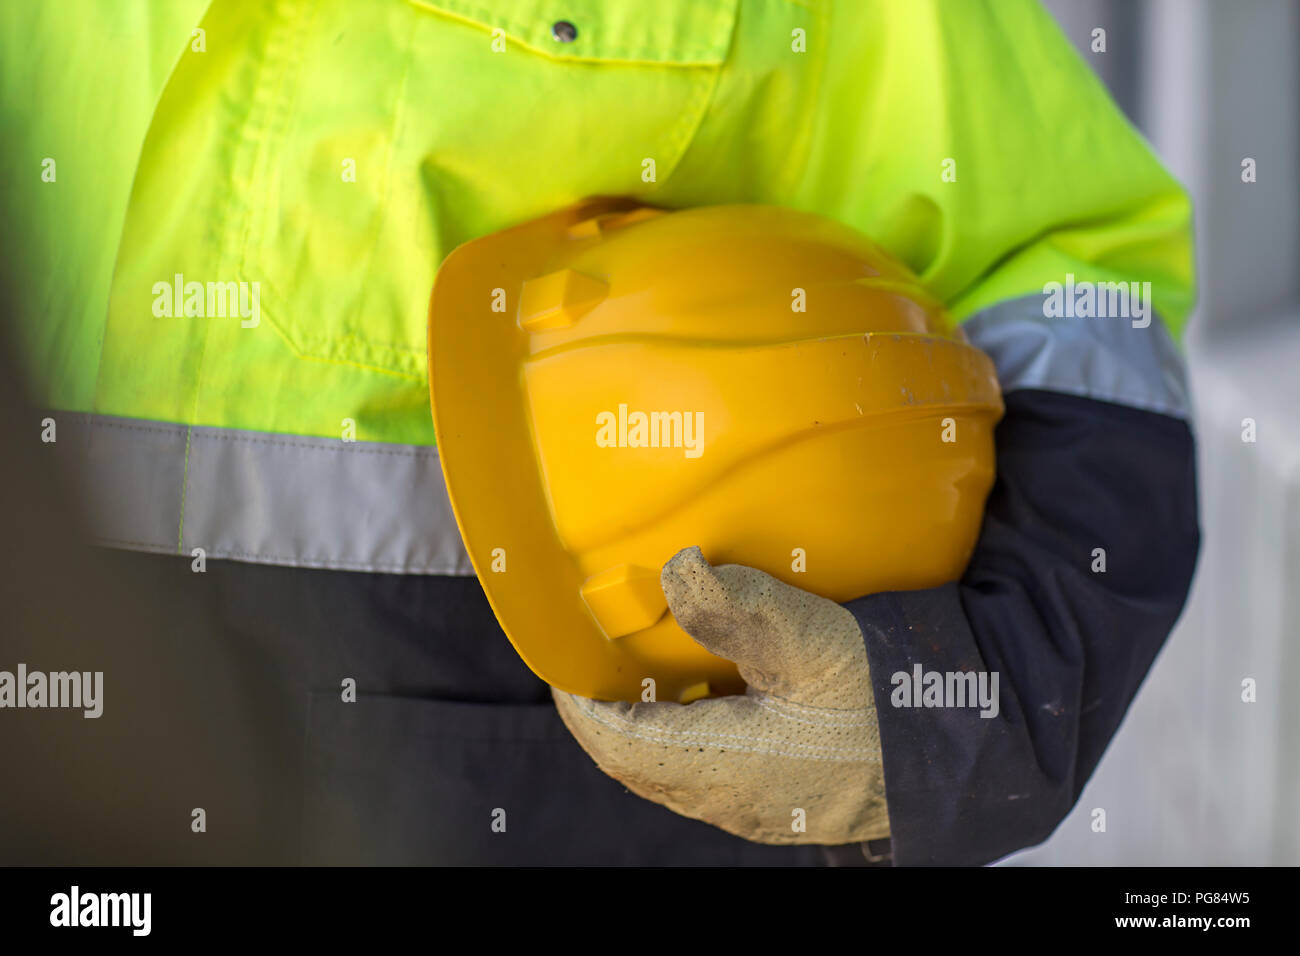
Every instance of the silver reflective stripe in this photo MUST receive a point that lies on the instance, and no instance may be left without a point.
(1101, 358)
(264, 498)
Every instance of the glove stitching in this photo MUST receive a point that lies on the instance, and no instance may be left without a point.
(770, 704)
(863, 754)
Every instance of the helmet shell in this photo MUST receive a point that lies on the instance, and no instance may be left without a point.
(613, 383)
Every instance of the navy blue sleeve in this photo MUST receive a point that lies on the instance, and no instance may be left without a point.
(1070, 643)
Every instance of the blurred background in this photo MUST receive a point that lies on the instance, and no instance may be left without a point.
(1196, 775)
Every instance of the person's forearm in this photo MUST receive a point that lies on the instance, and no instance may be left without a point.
(1082, 567)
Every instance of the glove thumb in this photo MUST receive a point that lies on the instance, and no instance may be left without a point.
(785, 641)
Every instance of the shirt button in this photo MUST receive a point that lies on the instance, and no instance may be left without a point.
(564, 31)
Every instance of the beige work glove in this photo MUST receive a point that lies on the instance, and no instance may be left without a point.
(794, 760)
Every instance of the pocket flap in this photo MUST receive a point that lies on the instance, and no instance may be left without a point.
(681, 32)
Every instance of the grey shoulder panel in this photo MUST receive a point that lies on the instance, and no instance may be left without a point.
(1106, 359)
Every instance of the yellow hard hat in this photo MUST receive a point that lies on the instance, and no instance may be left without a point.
(613, 383)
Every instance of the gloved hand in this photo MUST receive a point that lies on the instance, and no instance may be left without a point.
(796, 759)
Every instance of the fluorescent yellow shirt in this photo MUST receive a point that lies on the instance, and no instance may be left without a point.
(333, 153)
(323, 157)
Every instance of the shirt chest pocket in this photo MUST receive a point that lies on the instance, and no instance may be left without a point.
(667, 32)
(492, 113)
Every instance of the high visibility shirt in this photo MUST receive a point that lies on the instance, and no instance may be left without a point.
(224, 218)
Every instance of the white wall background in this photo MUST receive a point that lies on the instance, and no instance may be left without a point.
(1196, 776)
